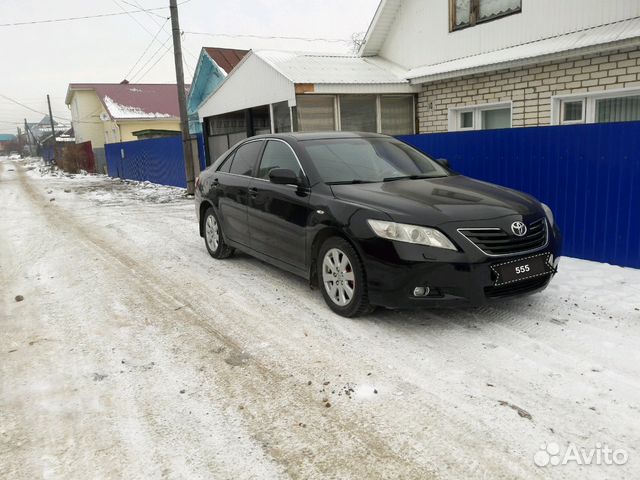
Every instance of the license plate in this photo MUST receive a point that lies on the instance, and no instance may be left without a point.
(523, 269)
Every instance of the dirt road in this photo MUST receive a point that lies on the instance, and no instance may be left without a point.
(133, 354)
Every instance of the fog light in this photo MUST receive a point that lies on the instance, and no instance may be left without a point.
(421, 291)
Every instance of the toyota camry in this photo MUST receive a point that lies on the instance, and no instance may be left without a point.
(372, 221)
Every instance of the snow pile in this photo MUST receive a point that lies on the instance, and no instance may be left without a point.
(127, 111)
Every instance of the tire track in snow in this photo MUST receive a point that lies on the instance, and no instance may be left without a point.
(342, 438)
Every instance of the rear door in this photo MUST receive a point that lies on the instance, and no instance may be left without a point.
(278, 213)
(233, 185)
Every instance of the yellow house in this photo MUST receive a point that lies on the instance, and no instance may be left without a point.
(110, 113)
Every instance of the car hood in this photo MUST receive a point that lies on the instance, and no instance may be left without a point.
(439, 200)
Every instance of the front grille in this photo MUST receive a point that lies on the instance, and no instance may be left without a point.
(495, 241)
(516, 288)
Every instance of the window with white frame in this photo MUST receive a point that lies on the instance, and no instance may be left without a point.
(599, 107)
(480, 117)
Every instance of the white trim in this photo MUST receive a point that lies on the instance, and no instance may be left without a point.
(589, 106)
(378, 114)
(454, 115)
(447, 71)
(272, 122)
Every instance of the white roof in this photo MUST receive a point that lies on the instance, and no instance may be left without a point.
(380, 26)
(579, 40)
(329, 68)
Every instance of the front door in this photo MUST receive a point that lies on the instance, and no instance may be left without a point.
(278, 214)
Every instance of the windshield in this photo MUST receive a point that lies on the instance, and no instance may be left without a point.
(362, 160)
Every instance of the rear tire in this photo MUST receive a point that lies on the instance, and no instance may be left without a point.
(342, 278)
(213, 237)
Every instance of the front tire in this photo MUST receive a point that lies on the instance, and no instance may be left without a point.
(213, 238)
(342, 278)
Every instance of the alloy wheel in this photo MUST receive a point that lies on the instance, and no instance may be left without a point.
(212, 233)
(338, 277)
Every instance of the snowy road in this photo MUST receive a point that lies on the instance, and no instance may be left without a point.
(136, 355)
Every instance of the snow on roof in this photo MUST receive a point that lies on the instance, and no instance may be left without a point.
(328, 68)
(134, 101)
(127, 111)
(225, 58)
(614, 32)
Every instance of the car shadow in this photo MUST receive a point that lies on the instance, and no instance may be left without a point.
(501, 311)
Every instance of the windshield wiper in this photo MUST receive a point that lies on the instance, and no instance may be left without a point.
(407, 177)
(351, 182)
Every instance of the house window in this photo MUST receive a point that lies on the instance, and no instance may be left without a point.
(281, 117)
(316, 113)
(466, 120)
(621, 109)
(397, 115)
(467, 13)
(496, 118)
(481, 117)
(573, 111)
(388, 114)
(358, 113)
(602, 107)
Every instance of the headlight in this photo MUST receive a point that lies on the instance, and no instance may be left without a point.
(548, 213)
(411, 234)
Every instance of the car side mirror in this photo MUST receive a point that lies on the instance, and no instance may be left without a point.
(444, 162)
(283, 176)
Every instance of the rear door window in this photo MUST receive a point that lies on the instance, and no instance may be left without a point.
(245, 158)
(225, 166)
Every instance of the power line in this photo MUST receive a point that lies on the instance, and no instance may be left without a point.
(150, 59)
(152, 16)
(68, 19)
(156, 62)
(147, 49)
(32, 109)
(269, 37)
(133, 18)
(137, 5)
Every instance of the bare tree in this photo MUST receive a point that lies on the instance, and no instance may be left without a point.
(357, 40)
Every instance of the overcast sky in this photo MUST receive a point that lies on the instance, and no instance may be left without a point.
(45, 58)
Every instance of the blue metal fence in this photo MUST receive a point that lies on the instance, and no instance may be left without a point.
(588, 174)
(157, 160)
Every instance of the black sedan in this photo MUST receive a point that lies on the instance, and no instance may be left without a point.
(372, 221)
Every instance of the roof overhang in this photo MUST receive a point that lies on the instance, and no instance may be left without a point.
(379, 28)
(584, 42)
(75, 88)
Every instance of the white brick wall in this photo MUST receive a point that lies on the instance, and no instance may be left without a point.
(528, 88)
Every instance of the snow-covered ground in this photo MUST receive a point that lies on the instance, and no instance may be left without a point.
(133, 354)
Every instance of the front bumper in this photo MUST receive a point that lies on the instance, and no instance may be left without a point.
(455, 278)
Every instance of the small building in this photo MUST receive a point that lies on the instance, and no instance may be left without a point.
(490, 64)
(8, 142)
(110, 113)
(274, 91)
(214, 64)
(42, 129)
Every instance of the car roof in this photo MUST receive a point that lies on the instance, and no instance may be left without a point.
(299, 136)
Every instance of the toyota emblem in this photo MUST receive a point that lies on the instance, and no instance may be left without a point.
(519, 229)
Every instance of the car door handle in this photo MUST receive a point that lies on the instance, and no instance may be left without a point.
(253, 192)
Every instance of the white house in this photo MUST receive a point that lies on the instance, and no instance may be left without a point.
(272, 91)
(444, 65)
(513, 63)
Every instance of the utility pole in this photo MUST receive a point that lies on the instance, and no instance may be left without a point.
(53, 129)
(182, 100)
(26, 131)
